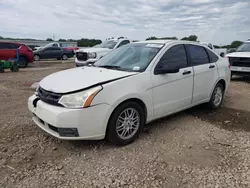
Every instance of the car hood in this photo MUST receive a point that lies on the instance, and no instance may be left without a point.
(80, 78)
(239, 54)
(94, 50)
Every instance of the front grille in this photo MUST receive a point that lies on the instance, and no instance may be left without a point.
(49, 97)
(239, 61)
(83, 56)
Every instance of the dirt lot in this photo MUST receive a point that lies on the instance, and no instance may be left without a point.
(195, 148)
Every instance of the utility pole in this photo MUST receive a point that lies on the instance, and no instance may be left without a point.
(53, 37)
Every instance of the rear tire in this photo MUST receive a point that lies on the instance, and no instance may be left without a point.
(23, 62)
(217, 97)
(125, 123)
(64, 57)
(222, 54)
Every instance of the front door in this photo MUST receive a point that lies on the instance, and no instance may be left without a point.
(172, 91)
(47, 53)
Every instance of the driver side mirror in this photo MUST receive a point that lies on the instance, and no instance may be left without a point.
(164, 68)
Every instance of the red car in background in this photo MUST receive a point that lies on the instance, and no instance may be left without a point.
(8, 51)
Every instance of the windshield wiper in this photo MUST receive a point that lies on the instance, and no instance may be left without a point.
(110, 67)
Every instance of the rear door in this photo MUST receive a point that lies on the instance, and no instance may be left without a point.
(47, 53)
(8, 50)
(205, 72)
(1, 51)
(57, 52)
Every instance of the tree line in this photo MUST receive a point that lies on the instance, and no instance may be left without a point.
(84, 42)
(234, 44)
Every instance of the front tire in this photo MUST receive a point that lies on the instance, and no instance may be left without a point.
(23, 62)
(36, 57)
(125, 123)
(217, 97)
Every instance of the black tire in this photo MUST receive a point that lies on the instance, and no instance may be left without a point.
(212, 103)
(222, 54)
(112, 135)
(23, 62)
(37, 57)
(64, 57)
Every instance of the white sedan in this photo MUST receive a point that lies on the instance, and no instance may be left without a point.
(128, 88)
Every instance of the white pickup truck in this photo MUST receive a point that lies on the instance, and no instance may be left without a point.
(240, 60)
(91, 55)
(219, 51)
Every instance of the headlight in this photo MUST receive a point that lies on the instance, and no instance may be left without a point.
(36, 91)
(92, 55)
(81, 99)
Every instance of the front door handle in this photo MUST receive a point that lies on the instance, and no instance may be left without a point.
(212, 66)
(186, 72)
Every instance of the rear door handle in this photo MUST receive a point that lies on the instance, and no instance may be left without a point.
(212, 66)
(186, 72)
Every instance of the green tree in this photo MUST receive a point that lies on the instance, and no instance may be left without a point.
(235, 44)
(162, 38)
(62, 40)
(88, 42)
(49, 39)
(151, 38)
(190, 38)
(71, 40)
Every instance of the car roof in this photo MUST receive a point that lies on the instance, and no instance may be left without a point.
(167, 42)
(10, 42)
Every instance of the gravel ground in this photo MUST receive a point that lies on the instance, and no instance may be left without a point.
(195, 148)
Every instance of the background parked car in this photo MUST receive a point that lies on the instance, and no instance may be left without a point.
(219, 51)
(8, 51)
(52, 52)
(231, 50)
(240, 60)
(33, 47)
(56, 44)
(91, 55)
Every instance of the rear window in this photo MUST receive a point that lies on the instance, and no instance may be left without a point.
(213, 58)
(198, 54)
(25, 46)
(7, 46)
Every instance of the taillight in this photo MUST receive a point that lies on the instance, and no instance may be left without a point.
(229, 63)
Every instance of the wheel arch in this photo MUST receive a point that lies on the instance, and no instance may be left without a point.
(222, 82)
(36, 55)
(26, 58)
(132, 99)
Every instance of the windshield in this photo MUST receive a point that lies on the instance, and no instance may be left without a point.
(107, 44)
(131, 57)
(245, 47)
(47, 45)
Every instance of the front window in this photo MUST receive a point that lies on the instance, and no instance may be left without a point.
(245, 47)
(131, 57)
(110, 44)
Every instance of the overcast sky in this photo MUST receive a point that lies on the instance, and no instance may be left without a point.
(217, 21)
